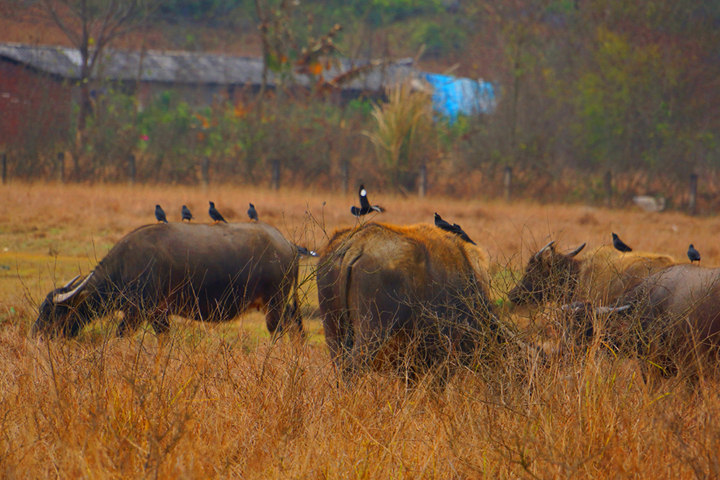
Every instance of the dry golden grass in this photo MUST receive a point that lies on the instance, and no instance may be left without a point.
(220, 401)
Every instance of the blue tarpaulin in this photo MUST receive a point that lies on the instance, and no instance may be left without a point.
(453, 96)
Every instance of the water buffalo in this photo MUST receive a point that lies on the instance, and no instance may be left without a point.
(408, 297)
(202, 272)
(672, 318)
(598, 277)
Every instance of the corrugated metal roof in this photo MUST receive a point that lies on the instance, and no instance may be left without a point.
(184, 67)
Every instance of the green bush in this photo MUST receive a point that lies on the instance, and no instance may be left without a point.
(439, 40)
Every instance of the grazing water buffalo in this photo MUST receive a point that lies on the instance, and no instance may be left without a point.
(202, 272)
(672, 317)
(599, 277)
(386, 291)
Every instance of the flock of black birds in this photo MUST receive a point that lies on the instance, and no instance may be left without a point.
(186, 214)
(366, 208)
(620, 246)
(216, 217)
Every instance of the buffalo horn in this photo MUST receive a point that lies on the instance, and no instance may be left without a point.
(63, 297)
(576, 251)
(574, 307)
(540, 252)
(604, 310)
(69, 284)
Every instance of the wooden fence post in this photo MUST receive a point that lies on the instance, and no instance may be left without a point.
(422, 183)
(692, 204)
(132, 169)
(607, 182)
(345, 174)
(275, 174)
(205, 172)
(4, 168)
(61, 166)
(507, 182)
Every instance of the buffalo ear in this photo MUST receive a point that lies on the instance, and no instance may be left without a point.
(576, 251)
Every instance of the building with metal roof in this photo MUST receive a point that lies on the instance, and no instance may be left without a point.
(190, 68)
(39, 84)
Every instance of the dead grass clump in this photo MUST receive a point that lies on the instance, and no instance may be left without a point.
(221, 401)
(588, 219)
(195, 404)
(400, 125)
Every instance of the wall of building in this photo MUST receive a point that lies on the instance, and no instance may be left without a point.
(33, 107)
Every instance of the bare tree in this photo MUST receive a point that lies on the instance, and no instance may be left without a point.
(91, 25)
(519, 26)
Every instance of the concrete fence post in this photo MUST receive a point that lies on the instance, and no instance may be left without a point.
(4, 168)
(275, 184)
(507, 183)
(345, 174)
(61, 167)
(132, 169)
(607, 182)
(692, 204)
(205, 172)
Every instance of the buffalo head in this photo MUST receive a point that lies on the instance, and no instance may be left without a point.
(63, 311)
(548, 276)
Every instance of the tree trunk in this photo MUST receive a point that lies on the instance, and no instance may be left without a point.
(85, 105)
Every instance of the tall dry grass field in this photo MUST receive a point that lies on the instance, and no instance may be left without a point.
(222, 401)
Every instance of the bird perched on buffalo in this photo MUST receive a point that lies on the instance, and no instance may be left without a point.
(160, 214)
(365, 206)
(215, 215)
(252, 213)
(619, 244)
(693, 254)
(186, 214)
(454, 228)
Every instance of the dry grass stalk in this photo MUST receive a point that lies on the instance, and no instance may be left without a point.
(222, 401)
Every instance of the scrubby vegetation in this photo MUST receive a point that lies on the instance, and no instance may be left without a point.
(220, 400)
(584, 88)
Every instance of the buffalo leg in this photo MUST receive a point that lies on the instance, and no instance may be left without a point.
(280, 316)
(365, 349)
(296, 314)
(161, 323)
(130, 322)
(338, 338)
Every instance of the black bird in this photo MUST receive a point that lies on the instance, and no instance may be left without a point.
(160, 214)
(186, 214)
(620, 245)
(365, 206)
(693, 254)
(305, 251)
(440, 223)
(454, 228)
(215, 215)
(252, 213)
